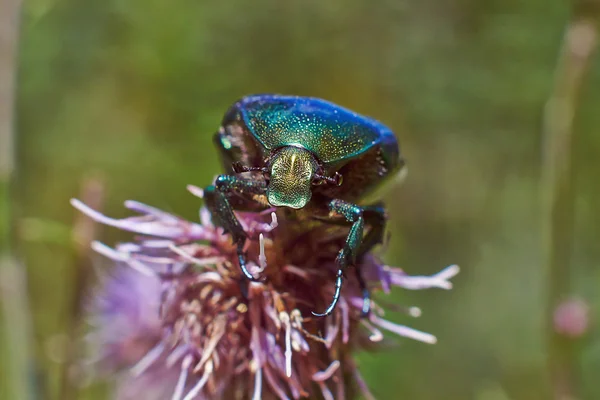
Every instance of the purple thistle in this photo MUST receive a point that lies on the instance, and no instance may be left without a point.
(174, 318)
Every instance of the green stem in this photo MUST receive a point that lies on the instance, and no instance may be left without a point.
(16, 319)
(558, 195)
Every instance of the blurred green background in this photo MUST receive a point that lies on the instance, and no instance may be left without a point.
(131, 91)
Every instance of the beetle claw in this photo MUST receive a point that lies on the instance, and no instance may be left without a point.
(336, 296)
(320, 315)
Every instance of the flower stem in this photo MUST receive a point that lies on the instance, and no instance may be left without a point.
(15, 320)
(558, 198)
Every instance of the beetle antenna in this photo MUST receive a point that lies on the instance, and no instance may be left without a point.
(238, 168)
(332, 180)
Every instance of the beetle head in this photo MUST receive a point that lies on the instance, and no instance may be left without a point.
(292, 170)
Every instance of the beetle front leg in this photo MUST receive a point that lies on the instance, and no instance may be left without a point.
(222, 212)
(348, 253)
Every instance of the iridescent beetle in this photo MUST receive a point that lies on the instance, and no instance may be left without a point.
(289, 151)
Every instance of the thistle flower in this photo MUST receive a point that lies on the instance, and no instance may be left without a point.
(174, 321)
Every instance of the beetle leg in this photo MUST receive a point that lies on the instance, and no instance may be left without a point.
(374, 217)
(222, 212)
(366, 309)
(347, 255)
(355, 246)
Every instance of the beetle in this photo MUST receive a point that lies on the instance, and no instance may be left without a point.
(310, 156)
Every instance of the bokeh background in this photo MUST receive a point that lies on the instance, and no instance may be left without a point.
(127, 94)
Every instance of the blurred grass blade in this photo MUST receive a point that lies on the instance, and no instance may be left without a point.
(558, 195)
(20, 374)
(15, 321)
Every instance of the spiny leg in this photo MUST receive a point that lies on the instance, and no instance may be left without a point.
(222, 212)
(355, 246)
(374, 217)
(366, 308)
(347, 254)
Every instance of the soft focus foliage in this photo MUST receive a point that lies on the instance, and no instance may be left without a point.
(135, 90)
